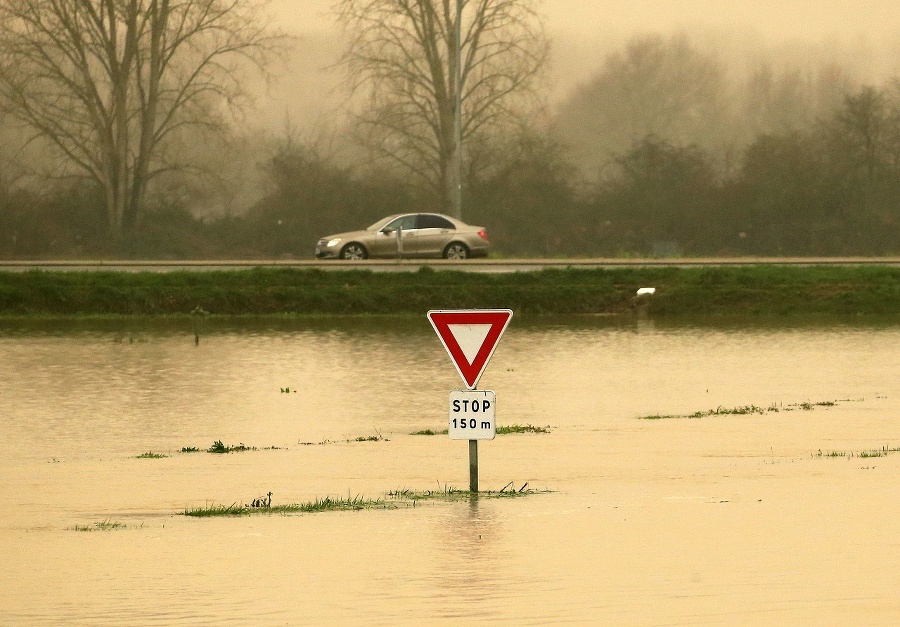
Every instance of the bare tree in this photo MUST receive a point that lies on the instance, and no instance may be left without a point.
(411, 56)
(110, 83)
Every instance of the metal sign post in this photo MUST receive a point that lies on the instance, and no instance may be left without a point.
(473, 466)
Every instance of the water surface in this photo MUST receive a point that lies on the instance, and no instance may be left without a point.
(727, 519)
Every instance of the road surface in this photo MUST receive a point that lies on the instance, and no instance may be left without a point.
(471, 265)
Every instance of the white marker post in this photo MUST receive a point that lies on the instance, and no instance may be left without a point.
(470, 337)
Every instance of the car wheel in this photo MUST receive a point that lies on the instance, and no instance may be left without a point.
(456, 250)
(354, 252)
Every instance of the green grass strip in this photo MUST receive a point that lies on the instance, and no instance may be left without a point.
(742, 410)
(503, 430)
(395, 499)
(695, 291)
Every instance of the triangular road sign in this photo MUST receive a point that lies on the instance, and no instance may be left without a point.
(470, 337)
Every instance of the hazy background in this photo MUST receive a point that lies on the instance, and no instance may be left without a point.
(864, 35)
(692, 127)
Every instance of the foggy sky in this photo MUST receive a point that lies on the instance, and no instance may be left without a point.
(777, 18)
(583, 32)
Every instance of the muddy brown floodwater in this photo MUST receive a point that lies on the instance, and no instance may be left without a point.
(779, 517)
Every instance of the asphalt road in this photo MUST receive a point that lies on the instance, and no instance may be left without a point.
(471, 265)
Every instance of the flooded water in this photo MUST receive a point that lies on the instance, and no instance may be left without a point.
(723, 519)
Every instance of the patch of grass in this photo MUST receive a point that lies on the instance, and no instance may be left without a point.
(506, 430)
(151, 455)
(392, 500)
(190, 449)
(742, 410)
(219, 448)
(831, 454)
(106, 525)
(371, 438)
(377, 437)
(875, 452)
(327, 504)
(449, 493)
(217, 510)
(522, 429)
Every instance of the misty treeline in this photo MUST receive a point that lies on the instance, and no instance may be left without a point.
(667, 149)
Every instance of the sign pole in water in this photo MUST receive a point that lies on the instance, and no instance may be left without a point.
(473, 466)
(470, 337)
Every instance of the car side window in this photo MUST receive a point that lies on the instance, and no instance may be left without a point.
(431, 221)
(403, 222)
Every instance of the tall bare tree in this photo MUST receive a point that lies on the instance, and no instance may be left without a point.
(413, 57)
(109, 83)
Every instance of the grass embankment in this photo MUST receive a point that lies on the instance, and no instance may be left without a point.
(771, 290)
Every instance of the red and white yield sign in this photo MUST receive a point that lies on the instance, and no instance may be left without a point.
(470, 337)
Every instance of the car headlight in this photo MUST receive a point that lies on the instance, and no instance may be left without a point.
(334, 242)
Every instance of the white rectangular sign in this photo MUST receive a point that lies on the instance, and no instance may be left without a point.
(472, 415)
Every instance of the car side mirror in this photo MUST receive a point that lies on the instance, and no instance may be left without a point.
(387, 230)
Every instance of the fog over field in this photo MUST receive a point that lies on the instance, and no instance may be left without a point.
(862, 36)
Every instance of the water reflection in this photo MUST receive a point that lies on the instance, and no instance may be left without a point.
(471, 570)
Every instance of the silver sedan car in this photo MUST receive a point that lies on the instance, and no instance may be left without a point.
(408, 235)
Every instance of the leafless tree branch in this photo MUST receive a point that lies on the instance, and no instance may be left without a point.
(401, 53)
(110, 82)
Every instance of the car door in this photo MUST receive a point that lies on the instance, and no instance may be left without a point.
(433, 233)
(385, 243)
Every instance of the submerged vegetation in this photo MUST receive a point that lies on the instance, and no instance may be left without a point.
(743, 410)
(884, 451)
(220, 448)
(394, 499)
(106, 525)
(327, 504)
(501, 430)
(735, 290)
(376, 437)
(506, 430)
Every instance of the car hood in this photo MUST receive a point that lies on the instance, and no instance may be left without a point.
(348, 235)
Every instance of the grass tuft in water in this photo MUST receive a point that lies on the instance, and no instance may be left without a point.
(506, 430)
(392, 500)
(449, 493)
(875, 452)
(151, 455)
(190, 449)
(219, 448)
(106, 525)
(831, 454)
(522, 429)
(377, 437)
(327, 504)
(742, 410)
